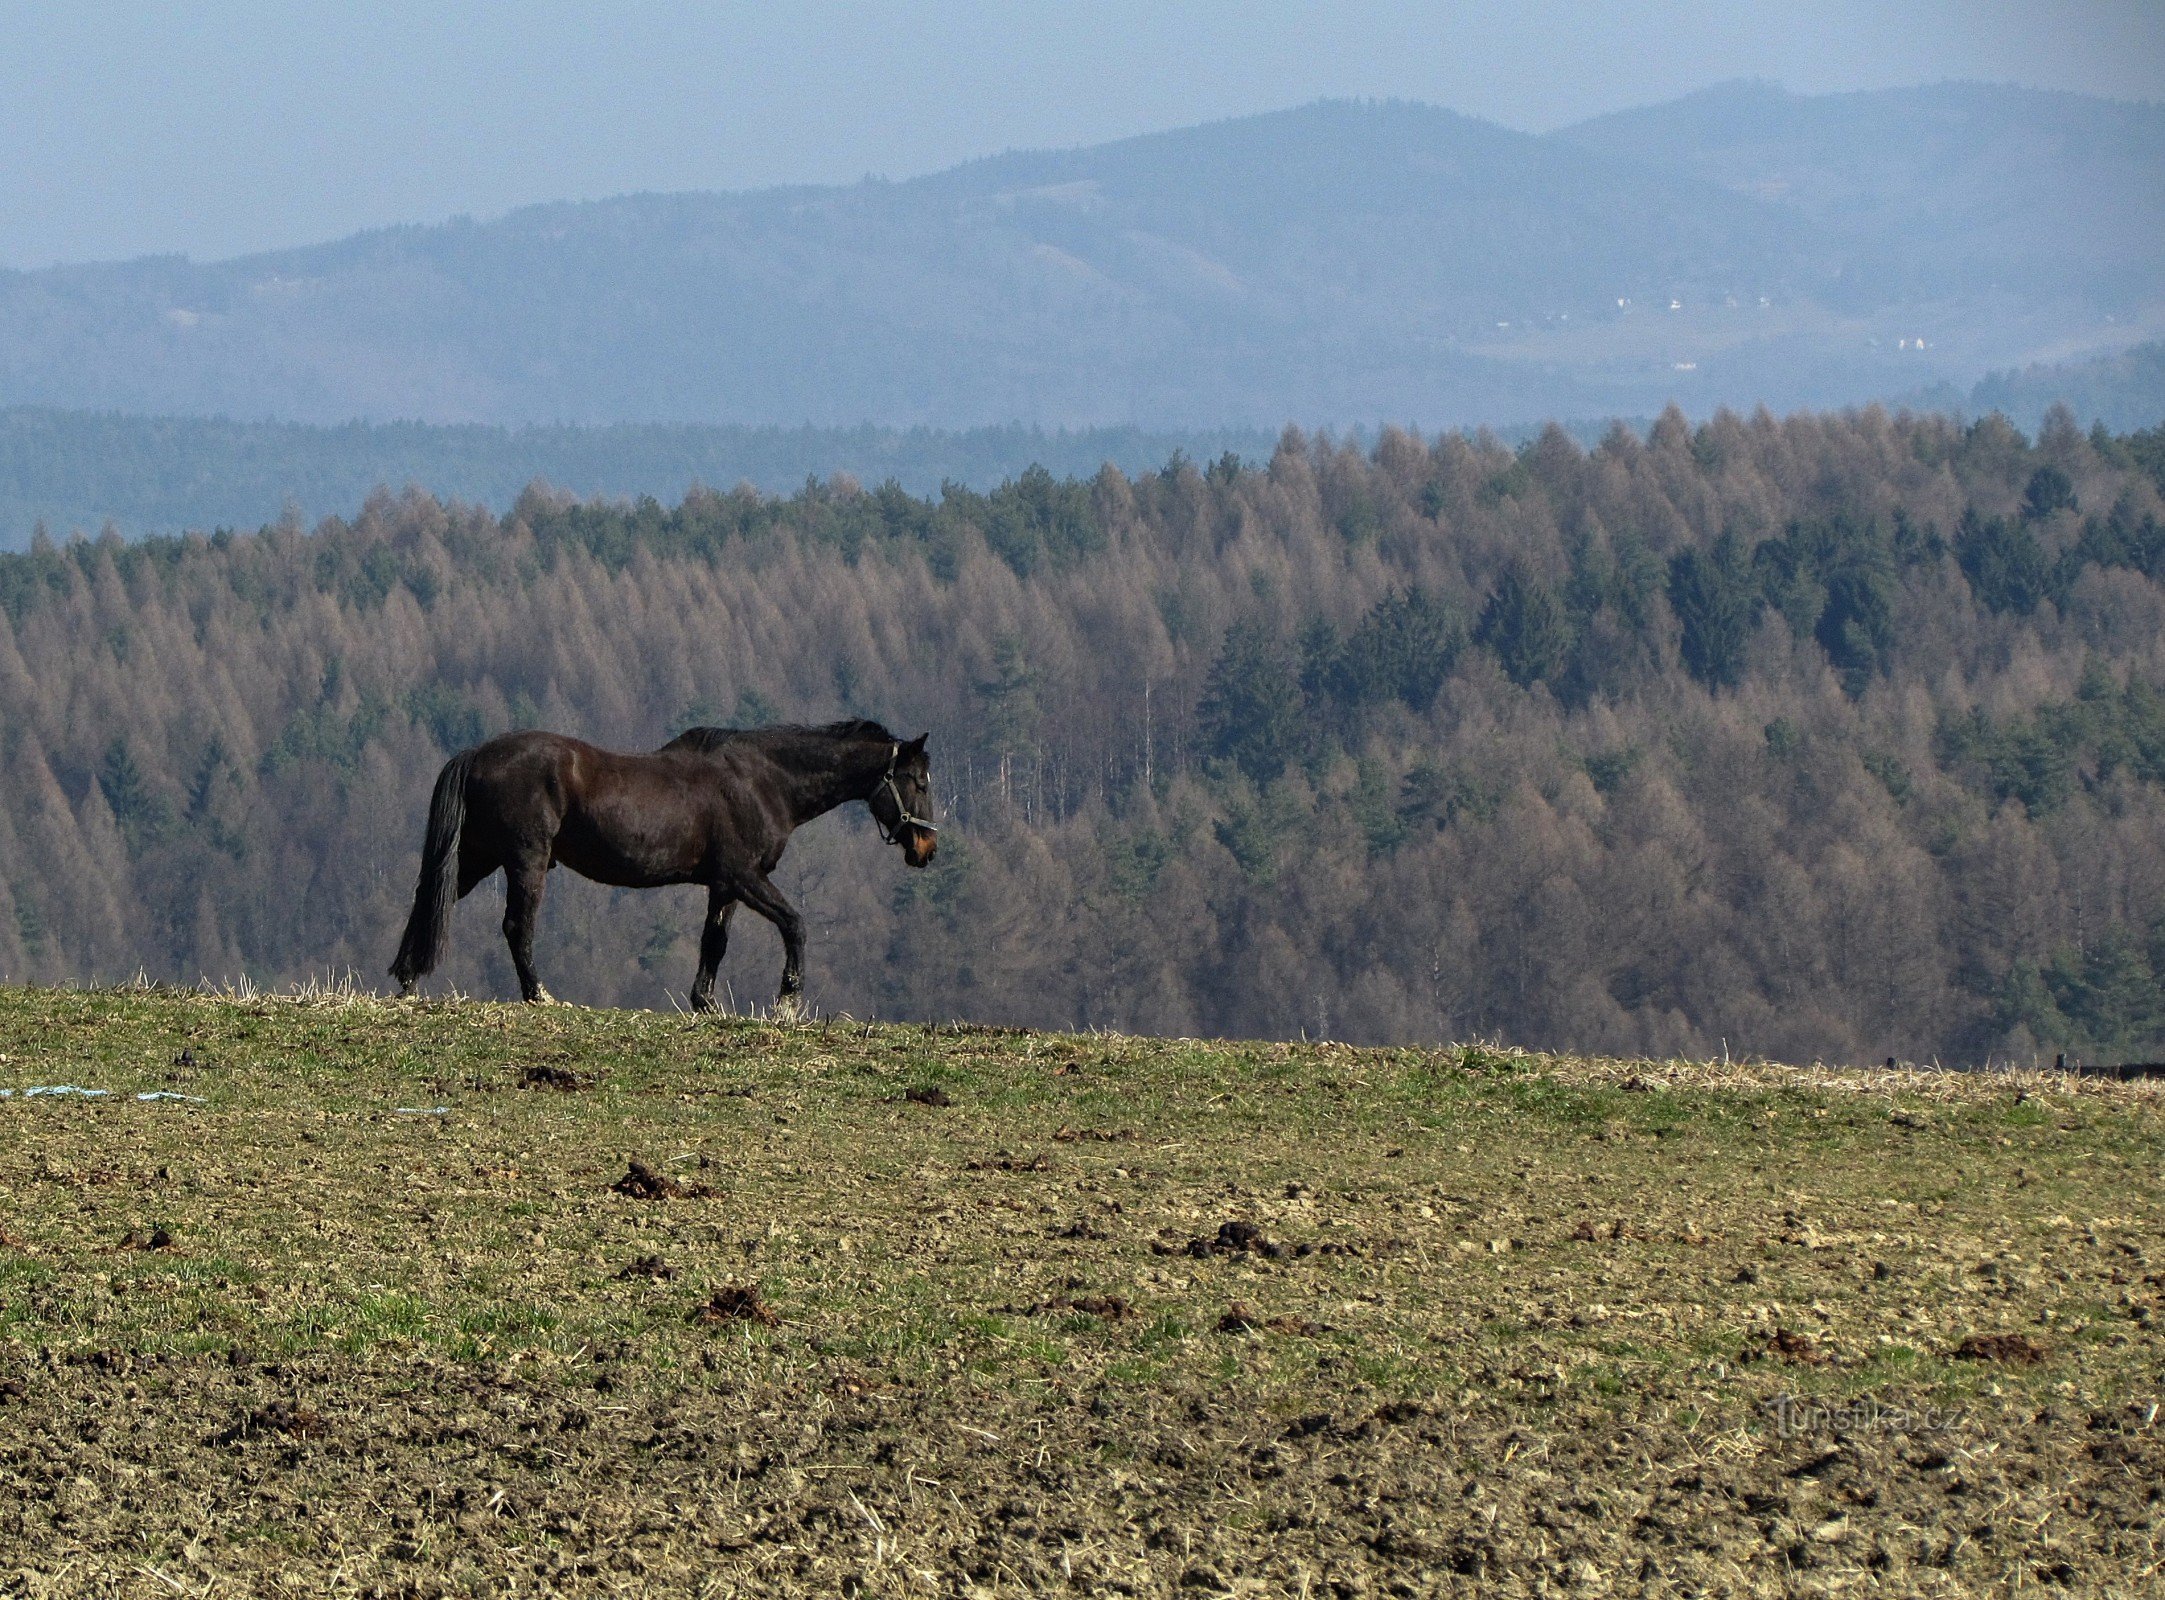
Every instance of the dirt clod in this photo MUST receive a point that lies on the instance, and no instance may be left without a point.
(1785, 1344)
(1239, 1237)
(1110, 1307)
(2011, 1349)
(928, 1095)
(158, 1238)
(736, 1302)
(1003, 1162)
(653, 1267)
(542, 1075)
(293, 1420)
(642, 1182)
(1239, 1318)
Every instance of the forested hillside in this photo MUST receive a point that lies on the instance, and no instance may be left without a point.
(1836, 736)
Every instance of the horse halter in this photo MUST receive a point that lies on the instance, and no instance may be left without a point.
(904, 817)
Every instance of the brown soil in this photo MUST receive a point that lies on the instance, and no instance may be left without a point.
(737, 1303)
(157, 1238)
(2013, 1348)
(642, 1182)
(433, 1359)
(1239, 1319)
(544, 1075)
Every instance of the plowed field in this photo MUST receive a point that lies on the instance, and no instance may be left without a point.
(464, 1299)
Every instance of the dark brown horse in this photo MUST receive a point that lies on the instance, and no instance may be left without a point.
(713, 806)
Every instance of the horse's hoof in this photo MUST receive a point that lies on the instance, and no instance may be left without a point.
(542, 997)
(788, 1008)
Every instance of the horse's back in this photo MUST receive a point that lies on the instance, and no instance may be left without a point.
(529, 756)
(617, 817)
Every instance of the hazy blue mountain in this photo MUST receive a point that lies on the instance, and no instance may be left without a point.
(1917, 193)
(1339, 263)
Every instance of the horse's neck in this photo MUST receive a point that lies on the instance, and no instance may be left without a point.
(820, 780)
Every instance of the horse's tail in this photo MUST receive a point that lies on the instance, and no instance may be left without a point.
(438, 890)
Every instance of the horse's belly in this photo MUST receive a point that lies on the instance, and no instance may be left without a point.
(623, 864)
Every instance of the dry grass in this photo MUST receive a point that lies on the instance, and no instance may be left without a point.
(1485, 1322)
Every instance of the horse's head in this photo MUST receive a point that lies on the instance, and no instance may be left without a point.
(902, 804)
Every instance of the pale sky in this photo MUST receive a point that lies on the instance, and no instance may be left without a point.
(219, 127)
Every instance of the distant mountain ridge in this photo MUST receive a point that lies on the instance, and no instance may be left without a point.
(1334, 264)
(1985, 186)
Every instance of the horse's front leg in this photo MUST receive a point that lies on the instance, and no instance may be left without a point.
(764, 898)
(713, 945)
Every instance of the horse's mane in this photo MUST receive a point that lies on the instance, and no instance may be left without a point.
(706, 739)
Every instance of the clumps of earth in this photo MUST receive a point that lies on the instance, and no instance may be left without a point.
(1107, 1307)
(1239, 1318)
(1785, 1344)
(1240, 1237)
(1004, 1162)
(642, 1182)
(736, 1302)
(294, 1420)
(2011, 1349)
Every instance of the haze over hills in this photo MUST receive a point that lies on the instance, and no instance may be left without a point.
(1340, 263)
(1917, 194)
(79, 472)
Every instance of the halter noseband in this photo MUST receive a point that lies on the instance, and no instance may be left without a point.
(904, 817)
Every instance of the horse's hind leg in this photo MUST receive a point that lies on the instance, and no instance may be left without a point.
(767, 900)
(713, 945)
(523, 883)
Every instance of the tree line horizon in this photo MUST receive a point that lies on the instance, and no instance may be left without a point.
(1834, 736)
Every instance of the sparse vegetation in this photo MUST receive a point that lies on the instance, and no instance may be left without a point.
(950, 1311)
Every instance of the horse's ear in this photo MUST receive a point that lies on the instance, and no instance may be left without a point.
(917, 745)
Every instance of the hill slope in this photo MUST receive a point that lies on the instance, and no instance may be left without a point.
(1340, 262)
(1105, 1313)
(1959, 188)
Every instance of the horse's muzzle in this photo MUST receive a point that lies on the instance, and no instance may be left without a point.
(919, 845)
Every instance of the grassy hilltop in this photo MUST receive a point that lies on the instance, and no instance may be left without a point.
(960, 1311)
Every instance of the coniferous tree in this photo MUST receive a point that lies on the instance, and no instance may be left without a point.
(1251, 709)
(1525, 628)
(1716, 609)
